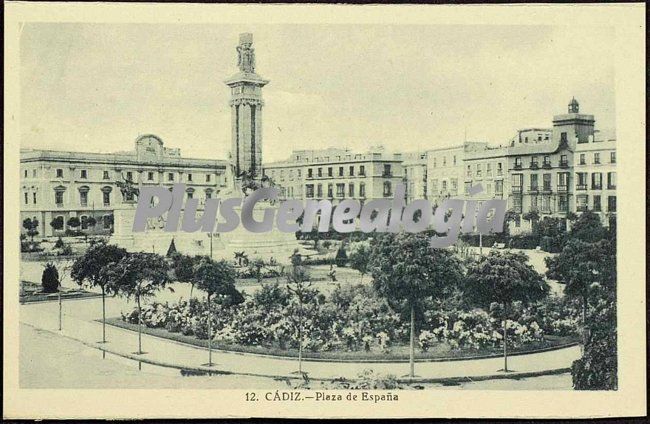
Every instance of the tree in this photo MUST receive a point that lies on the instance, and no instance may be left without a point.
(588, 227)
(74, 222)
(90, 268)
(216, 279)
(503, 278)
(91, 221)
(341, 258)
(31, 225)
(183, 267)
(57, 223)
(255, 267)
(50, 278)
(298, 285)
(532, 216)
(138, 275)
(510, 216)
(406, 271)
(579, 266)
(360, 259)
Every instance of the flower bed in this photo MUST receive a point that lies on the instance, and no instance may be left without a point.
(352, 322)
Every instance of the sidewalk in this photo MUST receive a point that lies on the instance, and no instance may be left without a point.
(79, 324)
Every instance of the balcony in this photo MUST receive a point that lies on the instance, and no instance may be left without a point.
(517, 166)
(596, 186)
(534, 165)
(546, 189)
(562, 188)
(516, 189)
(546, 165)
(564, 164)
(581, 208)
(581, 186)
(533, 189)
(611, 186)
(387, 174)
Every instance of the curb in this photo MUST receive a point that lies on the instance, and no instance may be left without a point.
(343, 361)
(207, 370)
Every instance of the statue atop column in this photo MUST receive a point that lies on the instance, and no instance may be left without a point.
(246, 60)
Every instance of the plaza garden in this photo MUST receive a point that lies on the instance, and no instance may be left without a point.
(407, 302)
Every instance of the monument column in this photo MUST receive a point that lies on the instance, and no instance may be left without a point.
(246, 106)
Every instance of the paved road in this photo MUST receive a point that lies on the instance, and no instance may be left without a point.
(79, 324)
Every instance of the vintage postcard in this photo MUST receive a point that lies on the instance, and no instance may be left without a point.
(324, 211)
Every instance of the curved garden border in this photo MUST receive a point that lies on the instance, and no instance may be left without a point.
(208, 370)
(117, 322)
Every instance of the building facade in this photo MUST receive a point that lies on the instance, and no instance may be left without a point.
(337, 174)
(59, 185)
(595, 176)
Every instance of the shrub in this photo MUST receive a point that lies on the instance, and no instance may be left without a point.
(341, 257)
(59, 243)
(50, 278)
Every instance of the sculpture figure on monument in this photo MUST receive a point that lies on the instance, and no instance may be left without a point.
(128, 189)
(246, 59)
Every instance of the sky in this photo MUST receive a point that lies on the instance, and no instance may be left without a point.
(96, 87)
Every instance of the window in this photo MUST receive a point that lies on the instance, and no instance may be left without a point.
(479, 169)
(499, 168)
(387, 171)
(434, 186)
(170, 176)
(84, 174)
(563, 160)
(596, 181)
(25, 173)
(362, 190)
(434, 162)
(581, 202)
(83, 197)
(612, 157)
(129, 176)
(106, 195)
(533, 182)
(208, 194)
(208, 178)
(611, 180)
(533, 203)
(517, 180)
(534, 162)
(84, 222)
(351, 190)
(454, 159)
(547, 160)
(444, 185)
(362, 170)
(611, 203)
(59, 173)
(488, 169)
(309, 173)
(26, 198)
(319, 190)
(454, 184)
(58, 197)
(444, 161)
(562, 179)
(33, 173)
(388, 191)
(351, 171)
(563, 203)
(597, 158)
(517, 162)
(547, 181)
(340, 171)
(583, 159)
(309, 188)
(189, 177)
(34, 197)
(105, 175)
(581, 184)
(469, 171)
(546, 203)
(330, 190)
(150, 176)
(516, 204)
(190, 194)
(498, 187)
(597, 207)
(340, 190)
(106, 220)
(320, 172)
